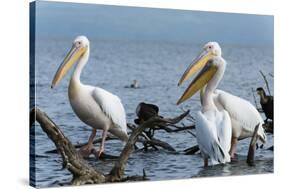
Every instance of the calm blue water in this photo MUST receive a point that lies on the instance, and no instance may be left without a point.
(157, 67)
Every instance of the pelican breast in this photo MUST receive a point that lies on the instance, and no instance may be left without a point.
(86, 107)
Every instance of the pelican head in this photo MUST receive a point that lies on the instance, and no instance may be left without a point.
(79, 47)
(211, 51)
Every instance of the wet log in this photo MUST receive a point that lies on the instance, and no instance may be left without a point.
(252, 148)
(192, 150)
(177, 128)
(119, 167)
(150, 141)
(271, 148)
(135, 177)
(164, 145)
(84, 173)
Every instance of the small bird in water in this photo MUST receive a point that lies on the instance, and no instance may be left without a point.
(134, 85)
(266, 102)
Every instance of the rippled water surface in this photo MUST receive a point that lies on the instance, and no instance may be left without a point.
(157, 67)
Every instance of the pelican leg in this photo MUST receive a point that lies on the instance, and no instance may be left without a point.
(104, 134)
(234, 142)
(86, 150)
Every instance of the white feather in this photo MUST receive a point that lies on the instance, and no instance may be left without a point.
(111, 105)
(213, 132)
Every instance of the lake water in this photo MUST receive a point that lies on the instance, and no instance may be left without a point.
(157, 67)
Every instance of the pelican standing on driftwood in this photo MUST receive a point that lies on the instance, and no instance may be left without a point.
(94, 106)
(244, 116)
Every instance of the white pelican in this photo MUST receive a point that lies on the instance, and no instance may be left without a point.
(213, 126)
(93, 105)
(244, 116)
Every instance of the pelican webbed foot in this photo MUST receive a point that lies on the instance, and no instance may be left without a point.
(88, 149)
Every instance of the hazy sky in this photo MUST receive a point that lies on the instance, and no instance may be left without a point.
(67, 20)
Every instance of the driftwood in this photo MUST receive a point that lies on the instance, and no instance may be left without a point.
(177, 128)
(192, 150)
(266, 82)
(118, 170)
(146, 138)
(271, 148)
(82, 172)
(254, 97)
(252, 147)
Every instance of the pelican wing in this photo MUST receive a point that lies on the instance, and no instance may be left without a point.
(207, 138)
(111, 105)
(224, 131)
(242, 113)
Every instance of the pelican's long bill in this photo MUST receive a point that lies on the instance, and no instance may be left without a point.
(201, 79)
(199, 62)
(74, 54)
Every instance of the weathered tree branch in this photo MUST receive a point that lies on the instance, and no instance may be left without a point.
(192, 150)
(266, 82)
(118, 170)
(252, 147)
(82, 172)
(254, 97)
